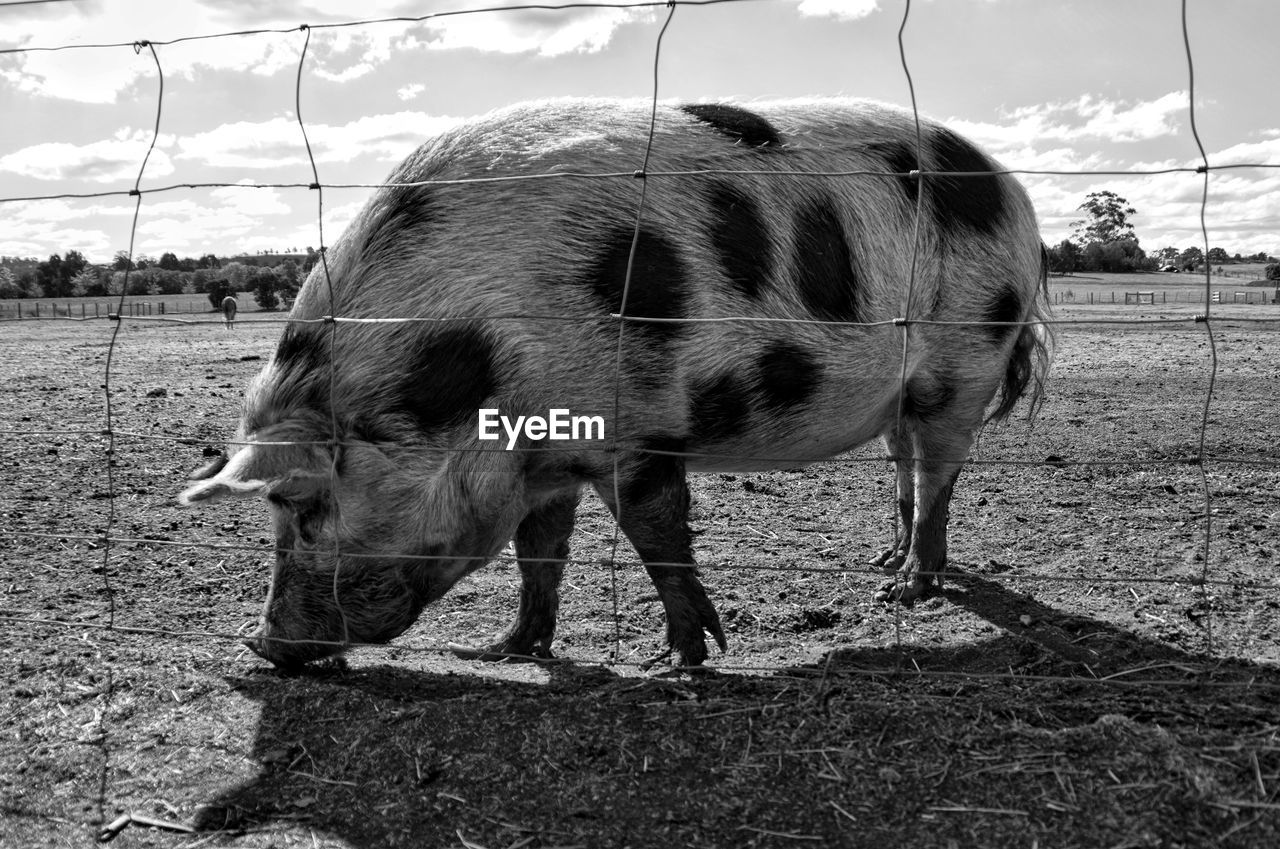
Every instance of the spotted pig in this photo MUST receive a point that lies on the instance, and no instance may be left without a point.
(759, 327)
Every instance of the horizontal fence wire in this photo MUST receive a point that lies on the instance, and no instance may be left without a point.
(109, 541)
(645, 174)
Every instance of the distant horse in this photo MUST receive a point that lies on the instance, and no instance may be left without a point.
(229, 306)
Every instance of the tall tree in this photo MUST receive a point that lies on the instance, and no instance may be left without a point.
(1107, 219)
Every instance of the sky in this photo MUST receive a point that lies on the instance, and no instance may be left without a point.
(1071, 85)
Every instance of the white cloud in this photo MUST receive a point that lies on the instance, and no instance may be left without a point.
(272, 144)
(99, 75)
(229, 218)
(1120, 121)
(844, 9)
(339, 54)
(1083, 119)
(111, 160)
(97, 228)
(544, 31)
(278, 142)
(225, 216)
(275, 143)
(410, 91)
(1254, 153)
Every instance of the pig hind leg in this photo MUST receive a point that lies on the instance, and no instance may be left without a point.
(542, 548)
(940, 447)
(651, 505)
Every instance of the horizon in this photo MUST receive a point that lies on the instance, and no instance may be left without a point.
(1086, 86)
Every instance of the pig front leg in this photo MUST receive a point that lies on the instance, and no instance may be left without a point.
(651, 504)
(542, 548)
(892, 558)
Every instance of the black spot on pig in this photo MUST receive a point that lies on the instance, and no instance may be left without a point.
(403, 209)
(737, 123)
(718, 409)
(1006, 307)
(786, 376)
(741, 238)
(450, 375)
(656, 466)
(825, 274)
(961, 205)
(659, 285)
(303, 348)
(900, 158)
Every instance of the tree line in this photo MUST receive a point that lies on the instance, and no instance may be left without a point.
(270, 278)
(1104, 240)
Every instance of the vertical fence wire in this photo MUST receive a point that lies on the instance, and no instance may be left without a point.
(331, 320)
(643, 176)
(1208, 329)
(108, 690)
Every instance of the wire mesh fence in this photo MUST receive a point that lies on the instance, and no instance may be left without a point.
(1191, 496)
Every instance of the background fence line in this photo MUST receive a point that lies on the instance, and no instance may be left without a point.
(109, 541)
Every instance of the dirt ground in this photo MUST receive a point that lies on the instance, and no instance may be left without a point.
(1086, 678)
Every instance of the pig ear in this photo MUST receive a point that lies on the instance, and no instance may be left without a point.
(209, 469)
(223, 478)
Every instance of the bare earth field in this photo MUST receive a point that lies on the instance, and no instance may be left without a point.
(1087, 678)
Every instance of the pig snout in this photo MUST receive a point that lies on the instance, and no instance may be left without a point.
(285, 653)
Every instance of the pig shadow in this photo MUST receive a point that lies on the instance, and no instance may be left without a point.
(374, 754)
(1037, 639)
(381, 756)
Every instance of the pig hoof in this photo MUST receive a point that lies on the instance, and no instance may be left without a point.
(903, 592)
(646, 665)
(889, 560)
(681, 664)
(502, 652)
